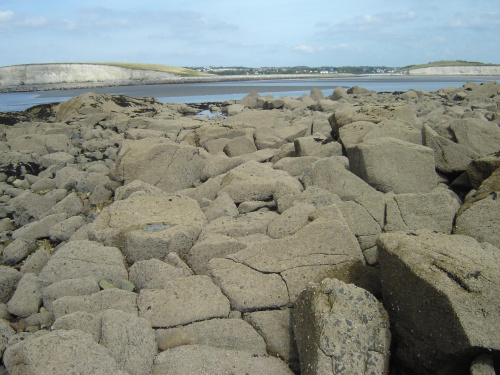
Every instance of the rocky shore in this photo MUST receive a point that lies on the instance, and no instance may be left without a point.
(352, 234)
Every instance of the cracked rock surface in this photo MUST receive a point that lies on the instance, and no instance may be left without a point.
(293, 235)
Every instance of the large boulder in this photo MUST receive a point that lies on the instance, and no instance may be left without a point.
(146, 227)
(481, 137)
(202, 359)
(389, 164)
(441, 293)
(341, 329)
(159, 162)
(60, 352)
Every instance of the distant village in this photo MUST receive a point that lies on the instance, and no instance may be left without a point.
(240, 70)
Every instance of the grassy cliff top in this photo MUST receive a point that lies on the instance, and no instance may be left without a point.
(447, 63)
(184, 72)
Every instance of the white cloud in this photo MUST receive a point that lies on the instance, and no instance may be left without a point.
(6, 16)
(9, 19)
(308, 49)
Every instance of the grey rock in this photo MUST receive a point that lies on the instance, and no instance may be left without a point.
(154, 274)
(441, 295)
(123, 192)
(483, 365)
(100, 195)
(341, 329)
(182, 301)
(316, 94)
(389, 164)
(36, 261)
(83, 321)
(233, 109)
(68, 287)
(223, 205)
(43, 319)
(130, 340)
(243, 225)
(63, 230)
(198, 359)
(290, 220)
(234, 334)
(295, 165)
(96, 303)
(6, 332)
(78, 259)
(482, 168)
(146, 227)
(276, 328)
(59, 159)
(330, 175)
(240, 146)
(71, 350)
(68, 178)
(38, 229)
(27, 298)
(246, 288)
(29, 207)
(315, 145)
(481, 137)
(17, 251)
(218, 164)
(43, 184)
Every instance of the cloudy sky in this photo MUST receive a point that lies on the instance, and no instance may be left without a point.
(249, 33)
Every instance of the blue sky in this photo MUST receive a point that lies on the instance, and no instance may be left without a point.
(249, 33)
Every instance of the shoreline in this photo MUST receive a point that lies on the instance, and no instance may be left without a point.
(213, 79)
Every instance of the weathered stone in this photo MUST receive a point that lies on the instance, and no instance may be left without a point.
(68, 287)
(276, 328)
(124, 192)
(146, 227)
(36, 261)
(295, 165)
(223, 205)
(481, 137)
(200, 359)
(315, 145)
(38, 229)
(330, 175)
(17, 251)
(60, 352)
(29, 207)
(27, 298)
(6, 332)
(341, 329)
(170, 166)
(244, 225)
(154, 274)
(83, 321)
(96, 303)
(234, 334)
(290, 220)
(441, 292)
(78, 259)
(130, 340)
(182, 301)
(389, 164)
(246, 288)
(63, 230)
(240, 146)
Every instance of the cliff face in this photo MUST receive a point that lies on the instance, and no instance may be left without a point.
(456, 70)
(42, 74)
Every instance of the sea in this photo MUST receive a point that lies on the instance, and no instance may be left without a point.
(214, 92)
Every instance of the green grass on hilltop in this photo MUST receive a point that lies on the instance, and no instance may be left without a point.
(184, 72)
(446, 63)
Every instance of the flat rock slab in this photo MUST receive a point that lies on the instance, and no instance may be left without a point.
(341, 329)
(441, 292)
(233, 334)
(146, 227)
(201, 359)
(389, 164)
(60, 352)
(78, 259)
(183, 301)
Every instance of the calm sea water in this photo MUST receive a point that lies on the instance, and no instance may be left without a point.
(222, 91)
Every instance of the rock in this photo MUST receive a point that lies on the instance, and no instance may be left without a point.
(182, 301)
(63, 230)
(146, 227)
(254, 181)
(276, 328)
(6, 332)
(29, 207)
(68, 178)
(68, 287)
(482, 168)
(78, 259)
(36, 261)
(38, 229)
(316, 94)
(218, 164)
(295, 165)
(329, 174)
(389, 164)
(130, 340)
(17, 251)
(96, 303)
(481, 137)
(290, 220)
(450, 157)
(246, 288)
(59, 159)
(339, 93)
(154, 274)
(441, 295)
(27, 298)
(223, 205)
(233, 334)
(82, 321)
(233, 109)
(244, 225)
(478, 216)
(482, 365)
(341, 329)
(170, 166)
(124, 192)
(68, 351)
(200, 359)
(211, 246)
(240, 146)
(319, 146)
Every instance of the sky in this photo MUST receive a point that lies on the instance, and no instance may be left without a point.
(254, 33)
